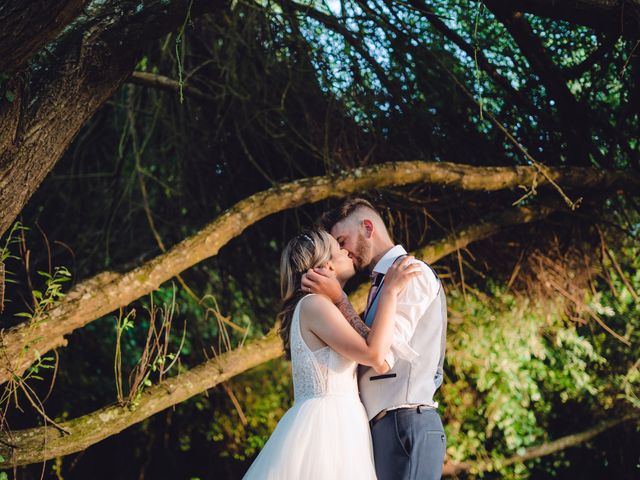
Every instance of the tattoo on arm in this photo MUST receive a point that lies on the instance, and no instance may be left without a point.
(352, 316)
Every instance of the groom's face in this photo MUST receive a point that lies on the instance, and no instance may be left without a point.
(351, 236)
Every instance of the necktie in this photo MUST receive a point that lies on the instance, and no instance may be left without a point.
(375, 285)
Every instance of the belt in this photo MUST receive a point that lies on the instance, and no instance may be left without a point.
(382, 413)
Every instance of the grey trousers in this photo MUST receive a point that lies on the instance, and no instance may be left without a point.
(409, 444)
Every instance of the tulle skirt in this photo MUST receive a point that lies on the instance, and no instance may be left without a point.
(320, 438)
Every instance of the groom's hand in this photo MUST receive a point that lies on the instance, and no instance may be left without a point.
(324, 281)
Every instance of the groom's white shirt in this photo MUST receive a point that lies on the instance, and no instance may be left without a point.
(417, 348)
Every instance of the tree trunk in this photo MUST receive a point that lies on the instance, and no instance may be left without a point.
(108, 291)
(29, 25)
(66, 88)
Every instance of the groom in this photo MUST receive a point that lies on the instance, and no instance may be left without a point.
(408, 437)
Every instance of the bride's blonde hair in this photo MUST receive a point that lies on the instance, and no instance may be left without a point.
(310, 249)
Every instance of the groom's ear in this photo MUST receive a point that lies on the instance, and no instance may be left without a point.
(368, 227)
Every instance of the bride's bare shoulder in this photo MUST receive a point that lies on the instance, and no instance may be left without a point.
(316, 305)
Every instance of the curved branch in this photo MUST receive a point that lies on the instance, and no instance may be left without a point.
(28, 445)
(452, 469)
(161, 82)
(42, 443)
(109, 291)
(28, 26)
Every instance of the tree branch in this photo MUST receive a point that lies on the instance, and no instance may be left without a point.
(596, 57)
(161, 82)
(28, 26)
(618, 17)
(455, 38)
(462, 237)
(28, 445)
(333, 24)
(452, 469)
(574, 115)
(109, 291)
(42, 443)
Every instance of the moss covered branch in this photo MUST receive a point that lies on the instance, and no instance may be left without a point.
(42, 443)
(573, 440)
(28, 445)
(467, 234)
(109, 291)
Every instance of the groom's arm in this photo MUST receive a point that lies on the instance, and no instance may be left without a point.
(347, 310)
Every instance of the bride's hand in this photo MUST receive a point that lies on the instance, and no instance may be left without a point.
(323, 281)
(400, 273)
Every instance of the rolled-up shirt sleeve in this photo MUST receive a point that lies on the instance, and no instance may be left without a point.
(412, 304)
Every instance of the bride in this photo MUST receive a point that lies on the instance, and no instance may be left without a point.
(325, 435)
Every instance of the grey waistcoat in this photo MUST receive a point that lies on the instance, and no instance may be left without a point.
(409, 382)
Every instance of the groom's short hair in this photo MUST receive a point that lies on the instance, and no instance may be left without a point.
(329, 218)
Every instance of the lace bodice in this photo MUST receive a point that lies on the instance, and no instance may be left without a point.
(320, 372)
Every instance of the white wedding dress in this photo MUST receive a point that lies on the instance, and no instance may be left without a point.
(325, 435)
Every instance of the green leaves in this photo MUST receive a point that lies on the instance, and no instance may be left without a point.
(43, 300)
(264, 394)
(513, 365)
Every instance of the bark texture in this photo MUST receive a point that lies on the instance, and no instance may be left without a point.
(75, 76)
(29, 25)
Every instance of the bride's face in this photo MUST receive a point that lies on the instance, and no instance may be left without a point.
(341, 264)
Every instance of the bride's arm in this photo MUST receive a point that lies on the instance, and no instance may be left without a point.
(321, 280)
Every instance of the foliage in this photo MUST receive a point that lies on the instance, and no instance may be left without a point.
(511, 365)
(518, 367)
